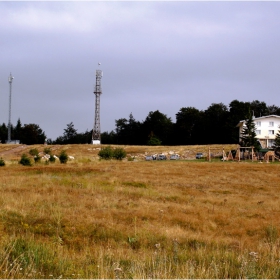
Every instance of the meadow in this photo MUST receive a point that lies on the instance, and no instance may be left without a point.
(138, 219)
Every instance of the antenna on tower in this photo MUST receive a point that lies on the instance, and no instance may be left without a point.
(10, 79)
(96, 133)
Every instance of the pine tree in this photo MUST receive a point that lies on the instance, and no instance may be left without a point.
(17, 130)
(248, 135)
(276, 144)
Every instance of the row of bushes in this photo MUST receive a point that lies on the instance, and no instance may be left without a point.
(27, 161)
(106, 153)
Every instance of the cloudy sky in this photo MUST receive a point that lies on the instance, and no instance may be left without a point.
(154, 56)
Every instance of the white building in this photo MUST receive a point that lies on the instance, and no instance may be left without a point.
(266, 129)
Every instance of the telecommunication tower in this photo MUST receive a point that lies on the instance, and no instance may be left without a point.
(96, 133)
(10, 79)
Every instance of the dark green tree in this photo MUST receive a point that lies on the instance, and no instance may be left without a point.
(32, 134)
(248, 135)
(238, 111)
(3, 133)
(273, 110)
(69, 133)
(134, 131)
(215, 125)
(129, 131)
(121, 130)
(159, 125)
(153, 141)
(17, 130)
(276, 144)
(71, 136)
(109, 137)
(259, 108)
(188, 126)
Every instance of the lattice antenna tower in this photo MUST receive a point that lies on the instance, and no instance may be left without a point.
(10, 79)
(96, 133)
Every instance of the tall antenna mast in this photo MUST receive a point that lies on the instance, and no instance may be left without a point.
(10, 108)
(96, 133)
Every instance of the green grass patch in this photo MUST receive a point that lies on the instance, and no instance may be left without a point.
(135, 184)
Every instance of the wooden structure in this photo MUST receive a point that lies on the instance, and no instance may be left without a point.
(230, 156)
(224, 156)
(246, 153)
(243, 153)
(269, 156)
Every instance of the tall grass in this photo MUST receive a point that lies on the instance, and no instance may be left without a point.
(97, 219)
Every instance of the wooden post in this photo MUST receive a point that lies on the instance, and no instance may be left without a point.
(209, 155)
(239, 154)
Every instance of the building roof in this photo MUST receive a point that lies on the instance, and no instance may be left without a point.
(259, 118)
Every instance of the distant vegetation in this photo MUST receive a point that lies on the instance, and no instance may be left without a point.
(215, 125)
(28, 134)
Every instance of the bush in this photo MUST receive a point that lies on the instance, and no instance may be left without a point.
(37, 159)
(25, 160)
(109, 153)
(52, 159)
(154, 141)
(2, 162)
(106, 153)
(119, 153)
(47, 151)
(63, 157)
(34, 152)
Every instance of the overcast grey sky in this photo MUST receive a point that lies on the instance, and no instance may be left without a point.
(154, 56)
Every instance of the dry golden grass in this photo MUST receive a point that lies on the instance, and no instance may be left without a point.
(138, 219)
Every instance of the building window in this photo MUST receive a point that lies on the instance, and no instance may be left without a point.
(258, 132)
(271, 123)
(270, 143)
(271, 132)
(259, 123)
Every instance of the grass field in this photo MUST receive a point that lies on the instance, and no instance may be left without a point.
(138, 219)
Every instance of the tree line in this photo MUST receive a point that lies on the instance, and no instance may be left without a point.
(27, 134)
(215, 125)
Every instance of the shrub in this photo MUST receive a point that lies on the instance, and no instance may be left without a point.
(52, 158)
(47, 151)
(37, 159)
(106, 153)
(34, 152)
(63, 157)
(130, 158)
(154, 141)
(2, 162)
(119, 153)
(25, 160)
